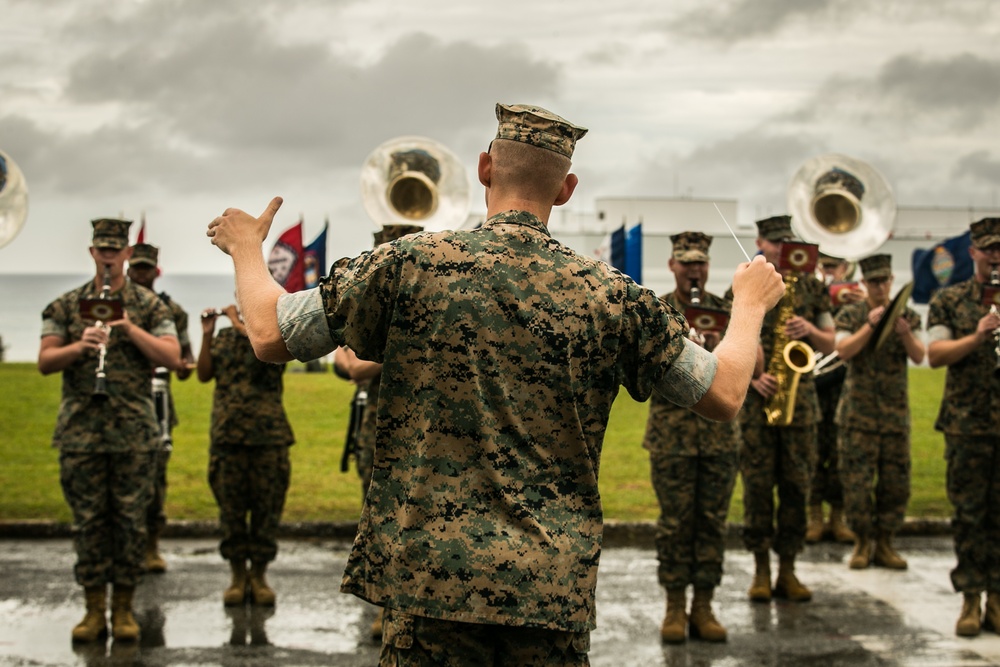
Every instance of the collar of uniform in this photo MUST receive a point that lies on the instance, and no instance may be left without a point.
(518, 218)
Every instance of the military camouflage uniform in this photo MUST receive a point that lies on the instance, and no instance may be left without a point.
(496, 391)
(781, 456)
(249, 467)
(693, 461)
(107, 447)
(970, 420)
(156, 518)
(873, 418)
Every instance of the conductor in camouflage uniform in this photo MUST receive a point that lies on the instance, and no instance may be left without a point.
(962, 335)
(143, 269)
(107, 442)
(367, 375)
(782, 457)
(873, 416)
(693, 462)
(249, 468)
(502, 352)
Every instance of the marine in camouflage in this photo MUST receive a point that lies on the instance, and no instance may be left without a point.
(496, 391)
(249, 464)
(107, 447)
(781, 457)
(970, 419)
(693, 462)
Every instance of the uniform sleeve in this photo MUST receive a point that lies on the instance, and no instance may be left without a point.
(654, 338)
(689, 376)
(302, 322)
(54, 320)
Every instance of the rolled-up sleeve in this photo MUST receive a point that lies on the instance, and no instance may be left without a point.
(689, 376)
(303, 325)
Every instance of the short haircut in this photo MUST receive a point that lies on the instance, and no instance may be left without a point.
(535, 172)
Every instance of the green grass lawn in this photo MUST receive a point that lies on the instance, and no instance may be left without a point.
(317, 408)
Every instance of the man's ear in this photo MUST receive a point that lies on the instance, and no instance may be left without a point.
(485, 170)
(566, 191)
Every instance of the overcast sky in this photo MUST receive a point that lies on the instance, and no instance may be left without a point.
(180, 108)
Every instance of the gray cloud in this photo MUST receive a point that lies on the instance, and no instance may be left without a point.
(979, 167)
(965, 84)
(745, 19)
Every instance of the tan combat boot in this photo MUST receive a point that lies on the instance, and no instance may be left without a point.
(236, 593)
(124, 627)
(760, 589)
(991, 620)
(885, 555)
(674, 627)
(970, 622)
(154, 563)
(841, 533)
(703, 624)
(262, 594)
(376, 629)
(94, 625)
(788, 585)
(862, 556)
(814, 529)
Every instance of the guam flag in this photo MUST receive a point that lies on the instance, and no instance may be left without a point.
(286, 262)
(945, 264)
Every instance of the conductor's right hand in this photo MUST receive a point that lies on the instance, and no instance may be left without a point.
(757, 282)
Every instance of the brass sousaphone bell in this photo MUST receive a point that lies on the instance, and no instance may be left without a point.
(13, 199)
(842, 204)
(416, 181)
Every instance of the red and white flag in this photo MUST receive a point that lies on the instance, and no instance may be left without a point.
(285, 260)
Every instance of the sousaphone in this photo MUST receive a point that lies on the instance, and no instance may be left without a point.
(13, 199)
(842, 204)
(415, 181)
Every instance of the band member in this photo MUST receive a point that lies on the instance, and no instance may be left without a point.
(782, 457)
(249, 468)
(873, 416)
(502, 352)
(962, 334)
(693, 462)
(836, 273)
(367, 375)
(107, 432)
(143, 270)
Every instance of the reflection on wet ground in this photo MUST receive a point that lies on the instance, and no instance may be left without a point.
(871, 617)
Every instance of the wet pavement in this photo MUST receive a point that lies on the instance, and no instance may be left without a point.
(870, 617)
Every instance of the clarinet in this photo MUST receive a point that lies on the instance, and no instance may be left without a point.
(100, 381)
(161, 398)
(995, 282)
(693, 333)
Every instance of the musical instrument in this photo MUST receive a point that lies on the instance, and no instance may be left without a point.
(893, 312)
(697, 337)
(789, 360)
(161, 398)
(358, 406)
(842, 204)
(415, 180)
(100, 380)
(994, 295)
(13, 199)
(215, 312)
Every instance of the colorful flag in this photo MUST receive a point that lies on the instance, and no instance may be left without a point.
(945, 264)
(314, 259)
(285, 260)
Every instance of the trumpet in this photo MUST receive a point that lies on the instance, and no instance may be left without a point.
(100, 380)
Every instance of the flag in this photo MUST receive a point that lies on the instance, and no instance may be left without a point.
(622, 249)
(141, 238)
(285, 260)
(633, 253)
(945, 264)
(314, 259)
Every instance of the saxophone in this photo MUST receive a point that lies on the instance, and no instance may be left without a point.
(789, 360)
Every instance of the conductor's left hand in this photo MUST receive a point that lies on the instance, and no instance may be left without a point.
(236, 229)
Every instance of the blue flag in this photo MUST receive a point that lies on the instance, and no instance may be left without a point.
(314, 258)
(945, 264)
(633, 253)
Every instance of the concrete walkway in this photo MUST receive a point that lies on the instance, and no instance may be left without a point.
(871, 617)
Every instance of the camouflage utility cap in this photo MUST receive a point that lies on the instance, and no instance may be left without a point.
(830, 260)
(538, 127)
(876, 266)
(110, 233)
(691, 247)
(143, 253)
(392, 232)
(775, 228)
(985, 232)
